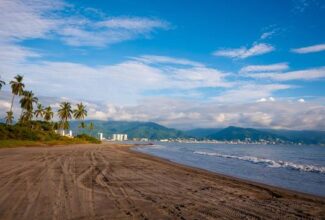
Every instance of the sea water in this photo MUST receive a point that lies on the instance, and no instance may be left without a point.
(300, 168)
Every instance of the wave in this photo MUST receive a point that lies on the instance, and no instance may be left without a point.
(269, 162)
(157, 146)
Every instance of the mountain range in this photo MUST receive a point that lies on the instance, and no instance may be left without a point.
(154, 131)
(133, 129)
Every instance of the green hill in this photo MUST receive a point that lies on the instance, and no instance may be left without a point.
(304, 136)
(202, 132)
(237, 133)
(135, 129)
(151, 130)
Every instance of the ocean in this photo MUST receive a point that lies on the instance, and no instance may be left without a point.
(299, 168)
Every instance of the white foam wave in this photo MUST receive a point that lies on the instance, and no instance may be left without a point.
(156, 146)
(269, 162)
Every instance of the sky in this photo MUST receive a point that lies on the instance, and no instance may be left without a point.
(184, 64)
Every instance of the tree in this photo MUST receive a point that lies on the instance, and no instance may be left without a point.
(56, 126)
(26, 103)
(2, 83)
(82, 125)
(48, 114)
(28, 100)
(26, 116)
(91, 127)
(80, 113)
(9, 117)
(65, 113)
(39, 111)
(17, 88)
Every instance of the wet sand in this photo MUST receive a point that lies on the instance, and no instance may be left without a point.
(112, 182)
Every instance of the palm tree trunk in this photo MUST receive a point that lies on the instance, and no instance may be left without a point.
(12, 102)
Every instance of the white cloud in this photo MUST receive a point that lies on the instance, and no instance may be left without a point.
(262, 100)
(12, 53)
(307, 74)
(5, 105)
(197, 77)
(21, 19)
(152, 59)
(309, 49)
(41, 19)
(271, 99)
(115, 30)
(264, 68)
(250, 92)
(268, 34)
(125, 82)
(243, 52)
(301, 100)
(184, 114)
(134, 23)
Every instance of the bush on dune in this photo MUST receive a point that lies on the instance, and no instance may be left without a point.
(37, 133)
(88, 138)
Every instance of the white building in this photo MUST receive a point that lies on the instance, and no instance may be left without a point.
(120, 137)
(100, 136)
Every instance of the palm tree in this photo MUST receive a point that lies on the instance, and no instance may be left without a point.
(56, 126)
(26, 103)
(65, 113)
(91, 127)
(26, 116)
(28, 100)
(80, 113)
(82, 125)
(48, 114)
(39, 111)
(9, 117)
(2, 83)
(17, 88)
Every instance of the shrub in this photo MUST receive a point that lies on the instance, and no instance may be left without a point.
(34, 131)
(88, 138)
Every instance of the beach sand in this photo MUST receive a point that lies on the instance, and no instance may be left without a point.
(110, 181)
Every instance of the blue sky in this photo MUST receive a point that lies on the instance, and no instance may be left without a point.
(181, 63)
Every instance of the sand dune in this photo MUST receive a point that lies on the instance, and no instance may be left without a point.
(111, 182)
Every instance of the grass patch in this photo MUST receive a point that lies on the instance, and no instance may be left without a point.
(37, 134)
(27, 143)
(88, 138)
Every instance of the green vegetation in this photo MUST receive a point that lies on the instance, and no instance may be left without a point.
(27, 143)
(65, 113)
(80, 113)
(48, 114)
(133, 129)
(35, 126)
(88, 138)
(37, 133)
(17, 88)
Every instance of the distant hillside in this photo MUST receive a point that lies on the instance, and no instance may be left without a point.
(155, 131)
(307, 137)
(237, 133)
(202, 132)
(149, 130)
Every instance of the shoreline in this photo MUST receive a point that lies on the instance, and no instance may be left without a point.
(112, 181)
(221, 175)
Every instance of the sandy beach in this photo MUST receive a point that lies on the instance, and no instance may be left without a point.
(113, 182)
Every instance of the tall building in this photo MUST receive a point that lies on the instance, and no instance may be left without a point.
(120, 137)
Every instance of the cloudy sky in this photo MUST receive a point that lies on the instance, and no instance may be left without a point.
(184, 64)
